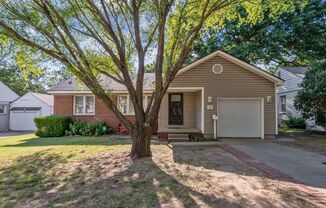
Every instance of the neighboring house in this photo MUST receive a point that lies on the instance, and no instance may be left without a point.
(292, 77)
(26, 108)
(6, 97)
(241, 95)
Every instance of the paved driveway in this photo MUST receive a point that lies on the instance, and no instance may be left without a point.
(303, 166)
(14, 133)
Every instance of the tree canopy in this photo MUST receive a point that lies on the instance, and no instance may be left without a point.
(294, 38)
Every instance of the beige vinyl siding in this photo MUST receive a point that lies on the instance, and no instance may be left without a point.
(189, 109)
(198, 109)
(233, 82)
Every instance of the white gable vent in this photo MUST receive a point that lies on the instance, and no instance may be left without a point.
(217, 69)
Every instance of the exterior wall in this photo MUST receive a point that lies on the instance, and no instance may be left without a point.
(63, 105)
(7, 95)
(4, 118)
(290, 109)
(189, 111)
(233, 82)
(291, 83)
(28, 100)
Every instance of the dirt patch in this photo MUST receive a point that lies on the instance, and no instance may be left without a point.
(176, 176)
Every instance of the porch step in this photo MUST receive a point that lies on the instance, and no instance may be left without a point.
(178, 137)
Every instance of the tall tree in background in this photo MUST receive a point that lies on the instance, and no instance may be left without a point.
(22, 72)
(113, 38)
(295, 38)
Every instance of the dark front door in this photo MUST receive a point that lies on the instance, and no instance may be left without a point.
(175, 108)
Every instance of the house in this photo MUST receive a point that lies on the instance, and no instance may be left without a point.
(286, 93)
(218, 86)
(26, 108)
(6, 97)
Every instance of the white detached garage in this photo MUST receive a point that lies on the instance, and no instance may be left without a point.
(26, 108)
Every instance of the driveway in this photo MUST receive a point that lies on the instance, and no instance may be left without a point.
(303, 166)
(14, 133)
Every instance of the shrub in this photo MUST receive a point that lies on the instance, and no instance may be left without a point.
(52, 126)
(199, 138)
(87, 129)
(295, 123)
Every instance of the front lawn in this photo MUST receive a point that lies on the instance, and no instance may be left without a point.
(96, 172)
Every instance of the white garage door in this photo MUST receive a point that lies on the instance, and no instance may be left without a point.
(23, 121)
(239, 118)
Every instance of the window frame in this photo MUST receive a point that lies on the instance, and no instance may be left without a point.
(145, 103)
(84, 106)
(4, 109)
(285, 108)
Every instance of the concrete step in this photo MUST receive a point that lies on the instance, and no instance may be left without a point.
(178, 137)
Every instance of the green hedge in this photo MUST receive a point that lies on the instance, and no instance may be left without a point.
(52, 126)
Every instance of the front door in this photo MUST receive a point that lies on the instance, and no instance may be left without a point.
(175, 108)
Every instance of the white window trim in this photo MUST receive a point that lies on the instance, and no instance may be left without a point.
(84, 106)
(281, 110)
(146, 101)
(4, 109)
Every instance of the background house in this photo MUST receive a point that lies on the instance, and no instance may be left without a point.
(286, 93)
(26, 108)
(6, 97)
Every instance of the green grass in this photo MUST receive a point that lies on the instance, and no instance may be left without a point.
(287, 130)
(13, 147)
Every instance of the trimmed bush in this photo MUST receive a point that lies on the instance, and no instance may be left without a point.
(52, 126)
(87, 129)
(199, 138)
(295, 123)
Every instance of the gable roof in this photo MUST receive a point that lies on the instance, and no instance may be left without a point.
(72, 84)
(234, 60)
(48, 99)
(7, 95)
(299, 71)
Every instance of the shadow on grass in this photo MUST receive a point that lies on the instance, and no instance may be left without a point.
(70, 140)
(113, 180)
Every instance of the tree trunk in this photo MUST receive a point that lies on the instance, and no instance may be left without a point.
(141, 145)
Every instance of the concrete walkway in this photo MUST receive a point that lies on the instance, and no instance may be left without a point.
(303, 166)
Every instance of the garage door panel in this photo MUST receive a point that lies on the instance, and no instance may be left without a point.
(23, 121)
(239, 118)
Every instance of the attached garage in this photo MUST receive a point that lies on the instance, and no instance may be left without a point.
(26, 108)
(240, 117)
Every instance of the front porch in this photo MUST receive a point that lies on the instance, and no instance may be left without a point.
(181, 113)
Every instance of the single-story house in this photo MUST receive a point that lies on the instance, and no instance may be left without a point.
(6, 97)
(26, 108)
(215, 95)
(286, 93)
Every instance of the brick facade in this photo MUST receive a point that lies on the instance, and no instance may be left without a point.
(63, 105)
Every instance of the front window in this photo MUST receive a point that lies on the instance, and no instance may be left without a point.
(2, 109)
(283, 103)
(84, 105)
(123, 104)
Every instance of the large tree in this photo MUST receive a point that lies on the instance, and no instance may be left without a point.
(114, 38)
(294, 38)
